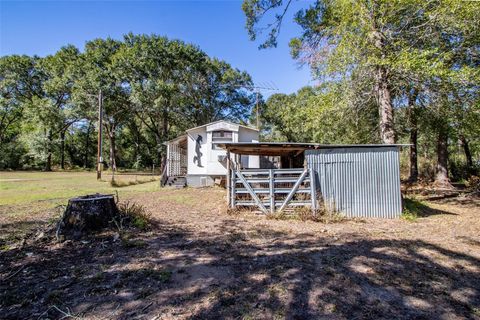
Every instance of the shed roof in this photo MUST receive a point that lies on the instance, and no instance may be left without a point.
(183, 136)
(177, 139)
(219, 121)
(289, 148)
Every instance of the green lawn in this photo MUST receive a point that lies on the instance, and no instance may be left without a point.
(23, 188)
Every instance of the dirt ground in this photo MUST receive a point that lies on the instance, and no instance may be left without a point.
(198, 262)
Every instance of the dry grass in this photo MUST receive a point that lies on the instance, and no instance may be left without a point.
(17, 188)
(129, 182)
(305, 214)
(197, 261)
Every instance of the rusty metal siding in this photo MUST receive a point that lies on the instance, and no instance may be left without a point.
(359, 182)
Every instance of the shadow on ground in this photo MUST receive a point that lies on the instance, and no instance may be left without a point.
(174, 272)
(423, 210)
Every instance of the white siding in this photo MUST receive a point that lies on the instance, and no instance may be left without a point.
(209, 157)
(193, 167)
(247, 135)
(214, 166)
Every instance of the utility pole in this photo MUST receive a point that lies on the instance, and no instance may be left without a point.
(265, 86)
(99, 142)
(258, 114)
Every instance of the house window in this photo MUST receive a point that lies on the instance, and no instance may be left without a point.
(221, 137)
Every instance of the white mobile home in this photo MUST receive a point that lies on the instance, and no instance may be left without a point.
(195, 159)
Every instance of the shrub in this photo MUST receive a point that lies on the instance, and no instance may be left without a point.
(409, 215)
(134, 215)
(11, 155)
(427, 169)
(459, 170)
(412, 209)
(473, 184)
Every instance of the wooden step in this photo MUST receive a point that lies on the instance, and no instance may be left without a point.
(176, 182)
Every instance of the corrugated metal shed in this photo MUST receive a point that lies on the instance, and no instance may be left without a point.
(359, 181)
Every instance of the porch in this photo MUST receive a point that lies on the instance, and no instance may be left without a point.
(175, 168)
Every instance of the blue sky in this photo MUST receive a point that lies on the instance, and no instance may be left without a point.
(42, 27)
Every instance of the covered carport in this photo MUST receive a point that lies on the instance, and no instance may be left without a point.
(270, 189)
(354, 180)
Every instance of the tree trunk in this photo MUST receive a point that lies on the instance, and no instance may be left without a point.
(111, 137)
(384, 101)
(48, 164)
(413, 137)
(62, 149)
(413, 156)
(159, 152)
(382, 91)
(136, 142)
(466, 150)
(72, 153)
(113, 163)
(163, 158)
(441, 178)
(87, 146)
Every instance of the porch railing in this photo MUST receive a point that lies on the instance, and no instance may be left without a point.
(177, 161)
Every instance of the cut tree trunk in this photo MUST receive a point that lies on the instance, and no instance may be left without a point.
(86, 214)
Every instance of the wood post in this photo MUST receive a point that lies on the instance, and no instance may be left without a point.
(99, 138)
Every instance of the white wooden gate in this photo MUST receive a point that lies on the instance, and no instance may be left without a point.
(272, 190)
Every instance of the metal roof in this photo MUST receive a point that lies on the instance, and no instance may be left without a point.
(207, 124)
(288, 148)
(179, 138)
(218, 121)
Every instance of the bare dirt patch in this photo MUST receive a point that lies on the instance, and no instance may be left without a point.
(199, 262)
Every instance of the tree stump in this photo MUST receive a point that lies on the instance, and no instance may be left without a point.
(86, 214)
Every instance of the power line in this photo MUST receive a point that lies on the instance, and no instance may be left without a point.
(261, 86)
